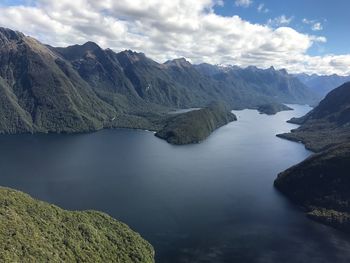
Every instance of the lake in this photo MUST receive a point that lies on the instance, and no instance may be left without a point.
(208, 202)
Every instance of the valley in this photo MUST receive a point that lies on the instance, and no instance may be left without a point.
(190, 149)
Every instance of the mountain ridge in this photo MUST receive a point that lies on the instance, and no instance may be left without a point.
(322, 84)
(83, 88)
(326, 125)
(321, 182)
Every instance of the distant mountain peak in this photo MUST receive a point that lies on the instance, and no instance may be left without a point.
(89, 86)
(91, 45)
(179, 62)
(89, 49)
(322, 84)
(130, 52)
(283, 71)
(9, 34)
(14, 40)
(132, 56)
(86, 47)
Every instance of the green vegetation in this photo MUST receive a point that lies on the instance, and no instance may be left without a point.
(326, 125)
(255, 87)
(84, 88)
(195, 126)
(321, 183)
(272, 108)
(34, 231)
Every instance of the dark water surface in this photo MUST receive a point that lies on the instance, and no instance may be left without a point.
(210, 202)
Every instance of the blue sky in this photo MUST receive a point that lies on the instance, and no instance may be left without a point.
(16, 2)
(333, 15)
(301, 36)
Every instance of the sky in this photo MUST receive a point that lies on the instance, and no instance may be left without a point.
(302, 36)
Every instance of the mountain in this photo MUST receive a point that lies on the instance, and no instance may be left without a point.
(40, 92)
(34, 231)
(321, 183)
(84, 88)
(196, 125)
(322, 84)
(269, 84)
(102, 71)
(326, 125)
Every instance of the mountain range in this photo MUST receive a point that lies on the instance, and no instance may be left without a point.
(322, 84)
(85, 88)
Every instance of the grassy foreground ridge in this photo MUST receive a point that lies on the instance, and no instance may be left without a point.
(35, 231)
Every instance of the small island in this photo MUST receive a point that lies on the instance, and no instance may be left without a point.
(195, 126)
(35, 231)
(272, 108)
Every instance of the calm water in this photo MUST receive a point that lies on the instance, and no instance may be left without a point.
(211, 202)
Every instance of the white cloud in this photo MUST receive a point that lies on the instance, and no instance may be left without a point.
(262, 9)
(315, 25)
(169, 29)
(243, 3)
(280, 21)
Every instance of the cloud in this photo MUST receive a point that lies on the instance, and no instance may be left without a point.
(169, 29)
(315, 25)
(243, 3)
(280, 21)
(262, 9)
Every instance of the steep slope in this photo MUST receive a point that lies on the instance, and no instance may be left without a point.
(322, 182)
(326, 125)
(148, 78)
(12, 117)
(322, 84)
(102, 72)
(34, 231)
(135, 78)
(195, 126)
(203, 88)
(49, 95)
(176, 83)
(85, 88)
(266, 85)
